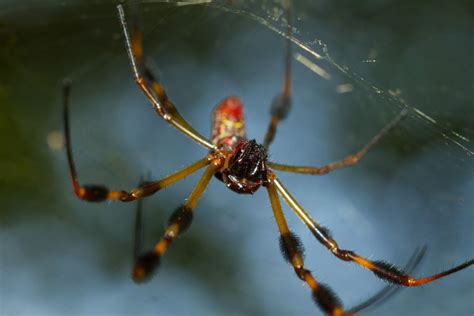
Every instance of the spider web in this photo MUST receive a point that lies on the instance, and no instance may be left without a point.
(355, 67)
(320, 54)
(271, 15)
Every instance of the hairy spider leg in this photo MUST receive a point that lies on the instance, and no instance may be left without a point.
(99, 193)
(281, 103)
(138, 228)
(143, 65)
(347, 161)
(381, 269)
(390, 290)
(138, 225)
(371, 302)
(292, 250)
(156, 95)
(178, 222)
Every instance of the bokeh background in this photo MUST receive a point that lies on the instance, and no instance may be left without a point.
(59, 255)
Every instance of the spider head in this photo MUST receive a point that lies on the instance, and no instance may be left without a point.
(247, 169)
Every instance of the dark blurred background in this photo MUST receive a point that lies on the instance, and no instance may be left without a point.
(59, 255)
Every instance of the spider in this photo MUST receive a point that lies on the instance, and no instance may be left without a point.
(243, 166)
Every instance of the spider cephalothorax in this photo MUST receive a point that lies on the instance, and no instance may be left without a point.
(247, 169)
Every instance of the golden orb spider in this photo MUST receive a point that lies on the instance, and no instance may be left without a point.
(243, 166)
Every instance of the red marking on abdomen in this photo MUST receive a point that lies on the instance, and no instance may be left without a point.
(228, 127)
(231, 108)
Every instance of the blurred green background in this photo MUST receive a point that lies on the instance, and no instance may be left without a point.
(60, 255)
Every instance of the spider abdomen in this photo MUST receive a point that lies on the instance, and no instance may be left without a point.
(228, 128)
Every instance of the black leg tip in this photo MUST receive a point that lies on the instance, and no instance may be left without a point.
(144, 267)
(94, 193)
(181, 217)
(291, 245)
(280, 106)
(388, 272)
(326, 299)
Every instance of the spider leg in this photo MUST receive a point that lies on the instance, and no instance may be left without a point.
(347, 161)
(292, 250)
(390, 290)
(179, 221)
(138, 231)
(138, 225)
(282, 102)
(381, 269)
(148, 73)
(99, 193)
(156, 95)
